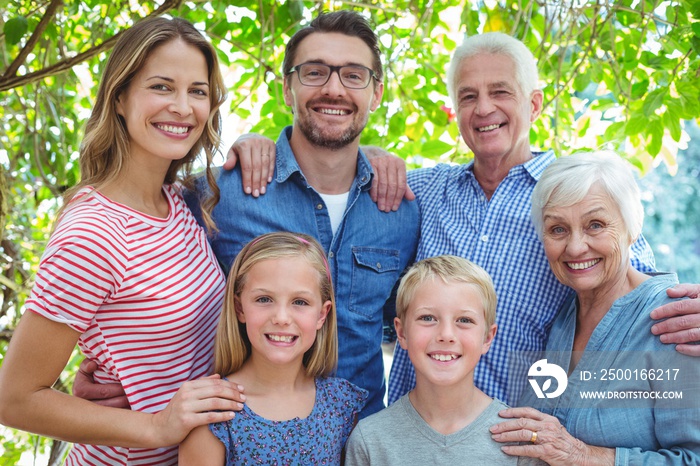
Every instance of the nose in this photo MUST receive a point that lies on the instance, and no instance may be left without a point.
(446, 332)
(180, 104)
(484, 105)
(333, 86)
(577, 244)
(281, 316)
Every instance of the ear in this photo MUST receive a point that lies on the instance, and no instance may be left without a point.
(324, 313)
(489, 339)
(377, 96)
(239, 310)
(120, 105)
(536, 102)
(288, 98)
(400, 333)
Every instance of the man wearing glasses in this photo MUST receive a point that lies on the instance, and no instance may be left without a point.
(333, 79)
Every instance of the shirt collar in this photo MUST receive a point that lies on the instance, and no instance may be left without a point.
(287, 163)
(534, 167)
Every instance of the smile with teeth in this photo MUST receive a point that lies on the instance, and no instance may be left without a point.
(582, 265)
(444, 357)
(483, 129)
(173, 129)
(281, 338)
(333, 111)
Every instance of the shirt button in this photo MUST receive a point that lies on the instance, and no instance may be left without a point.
(330, 255)
(379, 266)
(319, 206)
(363, 179)
(485, 238)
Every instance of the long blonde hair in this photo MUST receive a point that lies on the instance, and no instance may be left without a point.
(105, 146)
(232, 346)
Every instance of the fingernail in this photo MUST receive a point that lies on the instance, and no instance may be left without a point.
(654, 329)
(664, 338)
(262, 190)
(240, 405)
(256, 193)
(248, 189)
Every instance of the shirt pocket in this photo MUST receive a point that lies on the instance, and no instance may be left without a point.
(374, 273)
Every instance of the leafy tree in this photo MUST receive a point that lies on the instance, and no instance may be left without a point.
(621, 74)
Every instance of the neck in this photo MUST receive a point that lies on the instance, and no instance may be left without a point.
(594, 304)
(490, 171)
(328, 171)
(262, 376)
(140, 190)
(448, 409)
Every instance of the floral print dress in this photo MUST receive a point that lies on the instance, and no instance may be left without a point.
(315, 440)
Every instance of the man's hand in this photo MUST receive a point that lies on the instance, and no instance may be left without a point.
(683, 319)
(84, 387)
(389, 185)
(256, 154)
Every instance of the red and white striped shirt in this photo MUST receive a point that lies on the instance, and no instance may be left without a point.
(145, 293)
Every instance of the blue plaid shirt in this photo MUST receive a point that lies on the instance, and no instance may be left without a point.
(497, 234)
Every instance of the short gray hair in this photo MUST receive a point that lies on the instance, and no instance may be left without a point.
(495, 43)
(568, 179)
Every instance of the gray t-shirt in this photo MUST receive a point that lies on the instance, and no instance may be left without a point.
(398, 436)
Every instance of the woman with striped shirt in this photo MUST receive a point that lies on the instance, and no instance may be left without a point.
(127, 273)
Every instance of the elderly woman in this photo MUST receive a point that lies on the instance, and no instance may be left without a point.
(587, 211)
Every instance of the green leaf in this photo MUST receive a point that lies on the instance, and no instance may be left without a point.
(673, 125)
(653, 101)
(15, 28)
(436, 148)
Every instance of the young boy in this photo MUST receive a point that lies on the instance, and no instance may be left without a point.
(446, 311)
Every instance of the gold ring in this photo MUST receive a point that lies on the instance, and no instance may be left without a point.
(533, 439)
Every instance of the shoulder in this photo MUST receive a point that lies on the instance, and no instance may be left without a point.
(387, 420)
(343, 392)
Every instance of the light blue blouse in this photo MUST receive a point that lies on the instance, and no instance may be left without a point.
(619, 360)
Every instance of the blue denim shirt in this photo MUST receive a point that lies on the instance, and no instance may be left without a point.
(367, 254)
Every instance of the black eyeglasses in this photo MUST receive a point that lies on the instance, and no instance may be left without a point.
(318, 74)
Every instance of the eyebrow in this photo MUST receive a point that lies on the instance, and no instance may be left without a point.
(171, 80)
(589, 213)
(323, 62)
(490, 86)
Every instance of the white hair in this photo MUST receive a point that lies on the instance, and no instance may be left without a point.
(568, 179)
(494, 43)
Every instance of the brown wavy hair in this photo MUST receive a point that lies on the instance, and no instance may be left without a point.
(105, 146)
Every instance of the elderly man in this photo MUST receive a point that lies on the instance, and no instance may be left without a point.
(481, 211)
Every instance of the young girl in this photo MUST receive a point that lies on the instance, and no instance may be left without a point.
(127, 273)
(277, 337)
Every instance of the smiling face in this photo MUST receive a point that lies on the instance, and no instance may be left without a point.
(444, 332)
(166, 105)
(494, 116)
(282, 308)
(587, 244)
(331, 116)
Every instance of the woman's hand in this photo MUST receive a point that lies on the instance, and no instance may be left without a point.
(196, 403)
(545, 438)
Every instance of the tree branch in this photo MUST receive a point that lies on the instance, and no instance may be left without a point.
(10, 82)
(26, 50)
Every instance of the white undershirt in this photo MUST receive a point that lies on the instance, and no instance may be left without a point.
(336, 207)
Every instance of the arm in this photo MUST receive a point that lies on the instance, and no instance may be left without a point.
(683, 319)
(389, 185)
(683, 324)
(553, 444)
(105, 394)
(256, 154)
(201, 448)
(35, 358)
